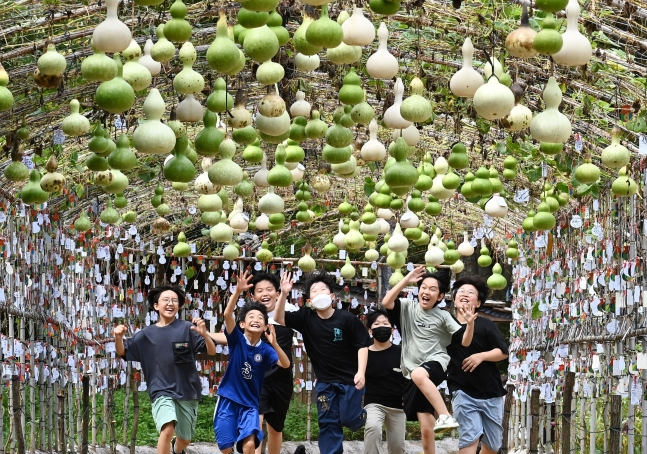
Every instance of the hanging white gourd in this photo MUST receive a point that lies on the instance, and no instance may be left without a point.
(434, 255)
(271, 203)
(520, 116)
(382, 64)
(137, 75)
(260, 177)
(75, 124)
(358, 30)
(239, 222)
(384, 226)
(466, 80)
(298, 172)
(576, 50)
(300, 107)
(203, 184)
(438, 191)
(373, 149)
(498, 69)
(384, 213)
(152, 136)
(398, 242)
(411, 135)
(493, 100)
(496, 207)
(306, 63)
(409, 220)
(111, 35)
(338, 239)
(519, 43)
(551, 125)
(154, 67)
(392, 117)
(263, 222)
(465, 248)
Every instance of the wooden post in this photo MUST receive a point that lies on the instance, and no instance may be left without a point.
(615, 424)
(593, 422)
(60, 419)
(111, 415)
(2, 425)
(133, 434)
(567, 401)
(582, 424)
(534, 428)
(85, 417)
(644, 410)
(507, 406)
(17, 414)
(93, 390)
(126, 403)
(308, 427)
(69, 427)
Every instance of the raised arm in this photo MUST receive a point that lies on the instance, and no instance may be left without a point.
(286, 286)
(120, 331)
(414, 276)
(242, 284)
(201, 328)
(218, 338)
(469, 315)
(284, 361)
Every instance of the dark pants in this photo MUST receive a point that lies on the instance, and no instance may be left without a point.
(338, 406)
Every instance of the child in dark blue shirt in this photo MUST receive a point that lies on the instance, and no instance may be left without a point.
(236, 419)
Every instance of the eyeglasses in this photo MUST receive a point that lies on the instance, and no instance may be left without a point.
(467, 292)
(168, 300)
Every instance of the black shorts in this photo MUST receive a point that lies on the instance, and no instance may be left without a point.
(414, 400)
(274, 402)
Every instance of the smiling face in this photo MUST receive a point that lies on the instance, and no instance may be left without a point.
(254, 322)
(266, 294)
(429, 293)
(167, 305)
(467, 296)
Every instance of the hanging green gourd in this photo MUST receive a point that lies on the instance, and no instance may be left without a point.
(6, 98)
(152, 136)
(551, 127)
(116, 95)
(253, 153)
(497, 186)
(136, 74)
(510, 168)
(98, 67)
(548, 41)
(163, 209)
(512, 252)
(50, 68)
(275, 22)
(348, 270)
(225, 172)
(497, 281)
(338, 136)
(381, 198)
(316, 128)
(416, 108)
(163, 50)
(401, 175)
(297, 131)
(615, 155)
(32, 193)
(528, 223)
(245, 188)
(433, 207)
(624, 185)
(482, 185)
(264, 255)
(587, 172)
(98, 143)
(109, 215)
(179, 168)
(177, 29)
(458, 158)
(344, 54)
(156, 200)
(451, 255)
(181, 249)
(210, 137)
(188, 81)
(16, 171)
(544, 219)
(484, 259)
(118, 184)
(324, 32)
(261, 44)
(52, 181)
(82, 223)
(251, 19)
(351, 91)
(129, 216)
(279, 175)
(416, 204)
(122, 158)
(223, 55)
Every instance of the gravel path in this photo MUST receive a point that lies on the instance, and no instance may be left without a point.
(444, 446)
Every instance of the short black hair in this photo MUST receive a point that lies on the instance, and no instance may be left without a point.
(155, 293)
(271, 278)
(441, 277)
(374, 314)
(479, 284)
(316, 277)
(252, 306)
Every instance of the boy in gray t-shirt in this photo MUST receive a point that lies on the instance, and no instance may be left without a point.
(426, 331)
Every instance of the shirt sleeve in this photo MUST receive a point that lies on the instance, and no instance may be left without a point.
(452, 325)
(495, 338)
(361, 338)
(272, 358)
(395, 313)
(199, 344)
(132, 348)
(235, 338)
(297, 319)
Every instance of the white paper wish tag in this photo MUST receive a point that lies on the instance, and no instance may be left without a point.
(576, 221)
(642, 144)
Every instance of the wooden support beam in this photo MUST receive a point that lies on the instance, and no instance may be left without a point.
(567, 412)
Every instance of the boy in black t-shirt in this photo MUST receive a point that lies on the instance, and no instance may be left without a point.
(166, 351)
(384, 387)
(337, 344)
(473, 378)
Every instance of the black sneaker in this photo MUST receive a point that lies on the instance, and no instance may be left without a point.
(173, 447)
(300, 450)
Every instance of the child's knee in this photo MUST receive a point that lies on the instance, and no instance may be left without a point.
(168, 429)
(419, 375)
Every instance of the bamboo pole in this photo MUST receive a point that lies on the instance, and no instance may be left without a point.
(534, 414)
(133, 434)
(644, 411)
(567, 396)
(93, 390)
(124, 436)
(60, 417)
(507, 406)
(111, 415)
(17, 414)
(582, 423)
(616, 424)
(593, 426)
(86, 417)
(69, 427)
(309, 403)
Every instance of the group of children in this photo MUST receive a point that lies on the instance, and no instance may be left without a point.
(362, 378)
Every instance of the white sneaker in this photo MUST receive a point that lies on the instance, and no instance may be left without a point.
(444, 423)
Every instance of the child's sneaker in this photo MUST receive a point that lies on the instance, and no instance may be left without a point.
(444, 423)
(173, 447)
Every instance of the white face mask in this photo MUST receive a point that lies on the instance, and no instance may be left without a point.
(321, 301)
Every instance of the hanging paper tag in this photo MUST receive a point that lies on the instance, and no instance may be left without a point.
(642, 144)
(544, 170)
(578, 143)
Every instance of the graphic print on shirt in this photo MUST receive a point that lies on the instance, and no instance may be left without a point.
(258, 357)
(247, 371)
(338, 337)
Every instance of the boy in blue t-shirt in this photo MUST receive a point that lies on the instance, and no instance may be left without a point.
(236, 419)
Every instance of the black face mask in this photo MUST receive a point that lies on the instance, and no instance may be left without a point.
(382, 333)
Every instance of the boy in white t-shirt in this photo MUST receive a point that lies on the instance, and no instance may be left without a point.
(426, 332)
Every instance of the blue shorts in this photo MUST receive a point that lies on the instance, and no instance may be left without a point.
(478, 417)
(233, 422)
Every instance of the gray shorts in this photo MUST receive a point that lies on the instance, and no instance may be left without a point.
(478, 417)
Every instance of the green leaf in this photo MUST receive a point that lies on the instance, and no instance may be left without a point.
(146, 176)
(483, 125)
(536, 313)
(562, 187)
(582, 190)
(534, 174)
(369, 187)
(317, 208)
(74, 157)
(190, 272)
(205, 232)
(79, 190)
(564, 163)
(595, 190)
